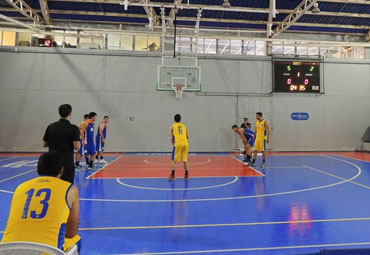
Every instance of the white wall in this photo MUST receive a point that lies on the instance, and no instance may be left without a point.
(33, 84)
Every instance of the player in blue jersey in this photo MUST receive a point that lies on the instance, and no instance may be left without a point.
(90, 146)
(247, 136)
(101, 135)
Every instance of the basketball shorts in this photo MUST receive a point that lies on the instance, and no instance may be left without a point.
(180, 150)
(251, 142)
(99, 145)
(260, 144)
(81, 151)
(70, 242)
(90, 148)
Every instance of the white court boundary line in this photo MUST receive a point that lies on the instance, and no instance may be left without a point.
(4, 159)
(168, 164)
(240, 197)
(247, 249)
(362, 160)
(15, 176)
(88, 177)
(199, 188)
(249, 167)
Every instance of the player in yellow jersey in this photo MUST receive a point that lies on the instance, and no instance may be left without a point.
(179, 139)
(82, 128)
(262, 135)
(45, 209)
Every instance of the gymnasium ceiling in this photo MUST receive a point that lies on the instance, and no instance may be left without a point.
(350, 17)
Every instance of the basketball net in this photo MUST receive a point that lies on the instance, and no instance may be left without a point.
(179, 89)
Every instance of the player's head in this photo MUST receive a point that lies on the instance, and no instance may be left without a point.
(50, 164)
(177, 118)
(258, 115)
(245, 120)
(65, 111)
(92, 116)
(86, 116)
(106, 119)
(235, 128)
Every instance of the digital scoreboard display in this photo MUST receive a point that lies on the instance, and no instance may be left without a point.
(297, 76)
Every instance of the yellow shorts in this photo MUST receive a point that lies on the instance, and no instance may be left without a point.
(180, 150)
(69, 242)
(259, 144)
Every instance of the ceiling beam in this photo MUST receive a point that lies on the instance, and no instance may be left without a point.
(25, 10)
(173, 12)
(347, 1)
(295, 15)
(272, 14)
(152, 15)
(19, 23)
(45, 11)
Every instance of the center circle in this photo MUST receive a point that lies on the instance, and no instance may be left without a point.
(167, 189)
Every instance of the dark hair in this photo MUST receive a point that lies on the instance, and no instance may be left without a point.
(245, 118)
(86, 116)
(106, 117)
(49, 163)
(65, 110)
(259, 113)
(177, 117)
(92, 115)
(234, 126)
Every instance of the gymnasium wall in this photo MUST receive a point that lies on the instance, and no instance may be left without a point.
(34, 82)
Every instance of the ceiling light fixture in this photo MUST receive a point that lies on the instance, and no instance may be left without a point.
(226, 4)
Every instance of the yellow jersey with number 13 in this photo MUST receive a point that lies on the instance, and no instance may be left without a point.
(39, 212)
(179, 132)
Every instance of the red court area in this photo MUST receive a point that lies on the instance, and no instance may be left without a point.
(160, 167)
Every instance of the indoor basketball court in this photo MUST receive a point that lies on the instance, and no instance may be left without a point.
(195, 127)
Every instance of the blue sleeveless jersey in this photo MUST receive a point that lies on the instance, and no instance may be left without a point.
(249, 134)
(90, 133)
(104, 132)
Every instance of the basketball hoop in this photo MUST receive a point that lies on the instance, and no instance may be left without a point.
(179, 89)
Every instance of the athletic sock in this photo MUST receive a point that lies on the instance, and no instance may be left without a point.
(90, 163)
(248, 157)
(253, 161)
(101, 157)
(97, 157)
(263, 160)
(77, 163)
(173, 172)
(87, 161)
(186, 172)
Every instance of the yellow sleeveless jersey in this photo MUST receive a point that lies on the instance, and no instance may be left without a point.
(261, 130)
(39, 212)
(81, 127)
(179, 132)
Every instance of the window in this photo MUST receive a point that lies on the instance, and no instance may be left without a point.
(313, 51)
(210, 46)
(200, 45)
(114, 42)
(141, 43)
(261, 48)
(250, 47)
(126, 42)
(70, 41)
(289, 49)
(154, 43)
(236, 47)
(24, 39)
(223, 47)
(359, 52)
(277, 48)
(8, 38)
(183, 44)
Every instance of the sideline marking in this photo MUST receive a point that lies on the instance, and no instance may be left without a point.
(199, 188)
(88, 177)
(167, 164)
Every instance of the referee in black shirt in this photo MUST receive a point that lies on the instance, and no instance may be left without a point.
(64, 137)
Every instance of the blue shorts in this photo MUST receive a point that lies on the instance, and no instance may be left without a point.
(251, 142)
(99, 145)
(90, 148)
(82, 150)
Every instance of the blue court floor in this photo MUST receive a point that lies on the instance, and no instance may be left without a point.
(300, 203)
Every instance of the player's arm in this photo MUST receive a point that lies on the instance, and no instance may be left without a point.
(101, 128)
(267, 127)
(172, 136)
(187, 134)
(73, 199)
(255, 132)
(242, 136)
(45, 138)
(76, 138)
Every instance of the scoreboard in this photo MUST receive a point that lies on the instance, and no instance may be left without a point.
(297, 76)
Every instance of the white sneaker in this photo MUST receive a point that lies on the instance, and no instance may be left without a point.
(96, 161)
(102, 161)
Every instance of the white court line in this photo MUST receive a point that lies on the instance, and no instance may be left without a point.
(232, 198)
(199, 188)
(247, 249)
(350, 158)
(88, 177)
(249, 167)
(6, 191)
(168, 164)
(15, 176)
(7, 158)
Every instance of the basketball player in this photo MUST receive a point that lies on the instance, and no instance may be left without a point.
(179, 139)
(101, 135)
(45, 209)
(90, 146)
(82, 128)
(247, 137)
(262, 135)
